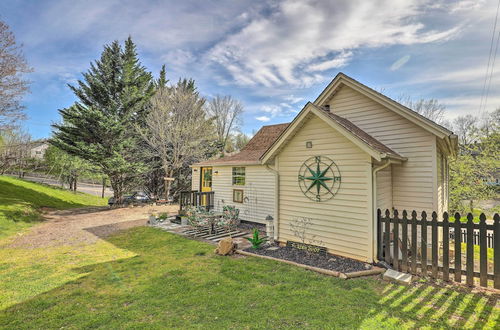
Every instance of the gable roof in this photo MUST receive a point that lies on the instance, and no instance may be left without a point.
(254, 149)
(359, 133)
(415, 117)
(356, 135)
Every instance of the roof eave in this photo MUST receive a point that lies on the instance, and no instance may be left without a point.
(423, 122)
(228, 163)
(310, 107)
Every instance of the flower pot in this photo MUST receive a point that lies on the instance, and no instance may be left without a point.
(152, 220)
(184, 221)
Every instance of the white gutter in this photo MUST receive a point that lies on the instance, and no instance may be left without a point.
(276, 198)
(375, 170)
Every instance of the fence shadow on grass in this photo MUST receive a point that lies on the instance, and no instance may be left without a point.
(426, 304)
(177, 282)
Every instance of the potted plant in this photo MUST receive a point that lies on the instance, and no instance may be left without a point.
(152, 219)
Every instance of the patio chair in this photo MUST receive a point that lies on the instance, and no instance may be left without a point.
(197, 220)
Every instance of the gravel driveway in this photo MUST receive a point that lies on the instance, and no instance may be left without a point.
(85, 225)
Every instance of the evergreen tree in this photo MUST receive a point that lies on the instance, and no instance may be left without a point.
(112, 98)
(162, 80)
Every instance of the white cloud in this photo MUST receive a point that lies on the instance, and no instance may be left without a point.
(157, 25)
(295, 43)
(293, 99)
(263, 119)
(469, 104)
(337, 62)
(285, 105)
(178, 58)
(399, 63)
(272, 110)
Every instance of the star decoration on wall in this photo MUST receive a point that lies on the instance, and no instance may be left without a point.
(319, 178)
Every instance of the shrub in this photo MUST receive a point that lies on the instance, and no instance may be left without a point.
(256, 240)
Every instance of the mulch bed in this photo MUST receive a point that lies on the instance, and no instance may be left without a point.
(250, 226)
(325, 261)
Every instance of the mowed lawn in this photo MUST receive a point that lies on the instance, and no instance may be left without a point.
(21, 201)
(148, 278)
(164, 280)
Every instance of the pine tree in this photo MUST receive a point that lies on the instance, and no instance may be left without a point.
(162, 80)
(99, 127)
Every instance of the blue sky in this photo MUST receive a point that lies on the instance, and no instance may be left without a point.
(274, 56)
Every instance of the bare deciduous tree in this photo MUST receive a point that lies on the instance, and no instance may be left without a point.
(12, 84)
(226, 112)
(490, 122)
(466, 127)
(429, 108)
(14, 150)
(240, 141)
(176, 127)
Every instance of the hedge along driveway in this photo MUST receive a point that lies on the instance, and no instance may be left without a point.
(162, 280)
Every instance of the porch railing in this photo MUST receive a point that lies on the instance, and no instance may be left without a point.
(197, 198)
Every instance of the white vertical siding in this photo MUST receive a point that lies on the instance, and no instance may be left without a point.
(384, 189)
(343, 224)
(440, 183)
(195, 178)
(446, 174)
(413, 181)
(258, 192)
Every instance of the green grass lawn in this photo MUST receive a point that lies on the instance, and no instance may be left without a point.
(148, 278)
(20, 202)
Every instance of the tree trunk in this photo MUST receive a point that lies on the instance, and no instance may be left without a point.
(168, 183)
(117, 185)
(103, 187)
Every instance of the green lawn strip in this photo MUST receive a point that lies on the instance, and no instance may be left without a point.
(21, 200)
(147, 278)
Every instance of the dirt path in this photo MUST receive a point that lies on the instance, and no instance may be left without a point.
(85, 225)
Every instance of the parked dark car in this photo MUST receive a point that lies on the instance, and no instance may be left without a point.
(138, 197)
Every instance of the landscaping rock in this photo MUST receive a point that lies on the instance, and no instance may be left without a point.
(226, 247)
(395, 276)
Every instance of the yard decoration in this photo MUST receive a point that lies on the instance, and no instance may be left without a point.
(319, 178)
(256, 240)
(226, 246)
(152, 219)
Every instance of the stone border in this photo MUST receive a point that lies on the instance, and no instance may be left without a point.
(373, 271)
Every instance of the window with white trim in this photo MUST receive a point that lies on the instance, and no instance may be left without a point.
(238, 176)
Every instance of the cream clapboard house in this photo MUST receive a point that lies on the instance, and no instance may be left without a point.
(350, 152)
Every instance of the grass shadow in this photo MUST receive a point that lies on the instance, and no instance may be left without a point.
(176, 282)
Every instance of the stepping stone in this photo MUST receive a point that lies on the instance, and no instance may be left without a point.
(398, 277)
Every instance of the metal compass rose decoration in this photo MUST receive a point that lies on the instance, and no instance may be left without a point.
(319, 178)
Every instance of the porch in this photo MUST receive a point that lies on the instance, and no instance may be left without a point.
(196, 198)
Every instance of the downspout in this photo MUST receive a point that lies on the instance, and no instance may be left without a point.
(276, 199)
(375, 170)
